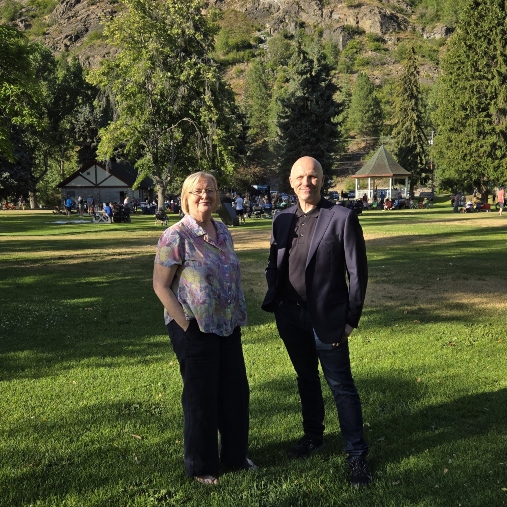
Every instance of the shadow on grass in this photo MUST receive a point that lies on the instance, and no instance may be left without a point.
(97, 449)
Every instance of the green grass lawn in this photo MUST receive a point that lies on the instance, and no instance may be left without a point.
(90, 404)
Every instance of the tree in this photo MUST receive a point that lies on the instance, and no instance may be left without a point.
(471, 116)
(50, 146)
(307, 121)
(174, 112)
(364, 116)
(17, 87)
(410, 141)
(257, 99)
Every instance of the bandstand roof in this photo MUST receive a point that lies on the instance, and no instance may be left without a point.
(381, 165)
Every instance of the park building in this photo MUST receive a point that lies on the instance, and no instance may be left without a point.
(111, 182)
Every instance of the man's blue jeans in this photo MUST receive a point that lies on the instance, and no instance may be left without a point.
(305, 351)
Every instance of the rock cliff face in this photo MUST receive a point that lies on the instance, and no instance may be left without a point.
(286, 14)
(73, 22)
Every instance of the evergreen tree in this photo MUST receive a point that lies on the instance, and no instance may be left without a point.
(410, 142)
(257, 100)
(471, 118)
(175, 113)
(364, 117)
(307, 121)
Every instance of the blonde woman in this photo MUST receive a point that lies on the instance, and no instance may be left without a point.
(197, 279)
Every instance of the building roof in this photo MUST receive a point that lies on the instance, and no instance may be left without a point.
(381, 165)
(113, 174)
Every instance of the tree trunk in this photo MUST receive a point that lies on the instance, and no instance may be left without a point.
(32, 198)
(160, 196)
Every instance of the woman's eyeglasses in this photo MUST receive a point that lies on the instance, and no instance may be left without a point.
(207, 191)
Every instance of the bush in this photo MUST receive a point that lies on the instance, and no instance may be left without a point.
(10, 10)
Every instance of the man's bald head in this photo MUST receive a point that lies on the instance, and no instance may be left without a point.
(307, 162)
(306, 179)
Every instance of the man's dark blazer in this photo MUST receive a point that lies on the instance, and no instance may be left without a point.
(337, 254)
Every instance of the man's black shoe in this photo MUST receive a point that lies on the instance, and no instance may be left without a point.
(306, 446)
(360, 474)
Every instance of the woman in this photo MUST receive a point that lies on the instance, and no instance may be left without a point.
(197, 279)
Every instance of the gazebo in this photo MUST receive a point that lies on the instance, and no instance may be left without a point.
(381, 165)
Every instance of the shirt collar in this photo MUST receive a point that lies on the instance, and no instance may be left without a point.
(312, 213)
(192, 225)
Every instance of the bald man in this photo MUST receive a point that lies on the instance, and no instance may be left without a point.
(317, 275)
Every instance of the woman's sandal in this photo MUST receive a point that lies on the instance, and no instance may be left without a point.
(206, 479)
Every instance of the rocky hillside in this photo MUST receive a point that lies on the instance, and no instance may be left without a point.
(75, 25)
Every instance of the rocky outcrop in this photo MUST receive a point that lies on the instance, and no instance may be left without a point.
(290, 15)
(438, 32)
(72, 24)
(73, 20)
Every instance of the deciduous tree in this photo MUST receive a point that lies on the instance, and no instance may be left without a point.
(175, 113)
(17, 87)
(364, 118)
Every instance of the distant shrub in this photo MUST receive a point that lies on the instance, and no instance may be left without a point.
(10, 10)
(93, 37)
(42, 7)
(234, 57)
(229, 41)
(428, 49)
(352, 30)
(375, 42)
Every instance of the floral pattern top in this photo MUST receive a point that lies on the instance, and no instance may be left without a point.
(208, 281)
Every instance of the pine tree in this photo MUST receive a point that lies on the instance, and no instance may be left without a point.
(257, 100)
(364, 117)
(410, 142)
(471, 117)
(307, 119)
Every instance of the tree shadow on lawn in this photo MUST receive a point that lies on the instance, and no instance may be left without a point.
(408, 445)
(71, 245)
(100, 450)
(61, 314)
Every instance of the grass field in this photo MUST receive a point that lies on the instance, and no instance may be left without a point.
(90, 388)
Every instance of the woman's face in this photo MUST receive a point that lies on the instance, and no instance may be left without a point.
(202, 199)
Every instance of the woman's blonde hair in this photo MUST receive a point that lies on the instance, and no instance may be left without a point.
(191, 182)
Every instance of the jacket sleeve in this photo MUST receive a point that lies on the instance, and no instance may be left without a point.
(270, 300)
(357, 268)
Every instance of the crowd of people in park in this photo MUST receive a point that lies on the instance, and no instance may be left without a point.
(461, 203)
(258, 205)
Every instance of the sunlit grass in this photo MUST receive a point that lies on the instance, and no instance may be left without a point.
(91, 389)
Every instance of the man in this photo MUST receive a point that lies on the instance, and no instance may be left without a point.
(313, 244)
(240, 210)
(108, 211)
(500, 199)
(90, 205)
(69, 203)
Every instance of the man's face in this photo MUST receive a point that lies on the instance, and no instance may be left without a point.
(306, 180)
